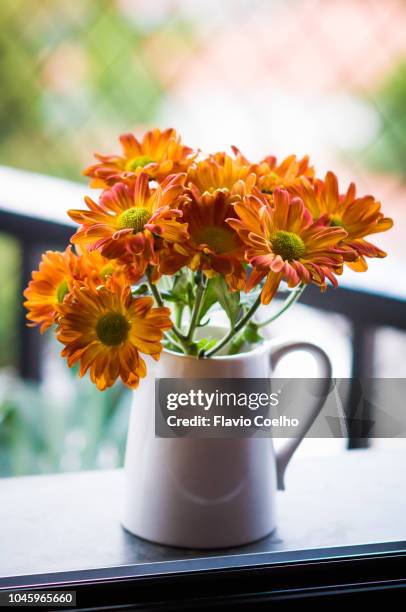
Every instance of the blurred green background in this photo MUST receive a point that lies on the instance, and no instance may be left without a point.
(74, 75)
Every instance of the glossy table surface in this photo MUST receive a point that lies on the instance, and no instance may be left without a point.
(71, 522)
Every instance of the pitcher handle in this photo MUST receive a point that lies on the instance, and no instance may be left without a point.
(285, 454)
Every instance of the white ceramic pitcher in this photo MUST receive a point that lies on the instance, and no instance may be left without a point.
(207, 493)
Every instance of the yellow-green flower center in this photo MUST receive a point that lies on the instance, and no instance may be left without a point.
(107, 270)
(336, 222)
(218, 239)
(138, 162)
(134, 218)
(288, 245)
(61, 291)
(112, 329)
(274, 180)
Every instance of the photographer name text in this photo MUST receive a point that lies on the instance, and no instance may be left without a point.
(220, 420)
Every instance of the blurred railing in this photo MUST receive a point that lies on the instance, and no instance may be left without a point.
(33, 211)
(40, 227)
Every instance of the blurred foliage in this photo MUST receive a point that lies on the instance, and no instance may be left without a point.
(388, 153)
(72, 76)
(43, 431)
(9, 296)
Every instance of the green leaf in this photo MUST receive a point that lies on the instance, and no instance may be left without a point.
(246, 339)
(229, 300)
(205, 344)
(140, 289)
(171, 346)
(251, 333)
(209, 299)
(236, 344)
(182, 288)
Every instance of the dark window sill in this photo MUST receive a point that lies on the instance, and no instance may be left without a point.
(342, 530)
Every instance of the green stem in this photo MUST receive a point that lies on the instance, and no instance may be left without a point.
(183, 341)
(155, 292)
(194, 320)
(174, 341)
(178, 314)
(291, 299)
(243, 321)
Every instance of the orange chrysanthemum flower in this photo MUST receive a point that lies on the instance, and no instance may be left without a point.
(158, 154)
(94, 269)
(106, 329)
(283, 242)
(48, 287)
(213, 246)
(129, 217)
(57, 275)
(221, 171)
(359, 217)
(284, 175)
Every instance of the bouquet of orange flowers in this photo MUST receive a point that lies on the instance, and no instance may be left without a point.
(194, 232)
